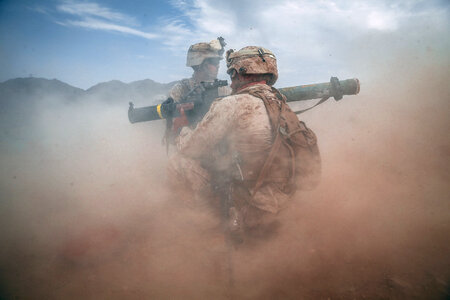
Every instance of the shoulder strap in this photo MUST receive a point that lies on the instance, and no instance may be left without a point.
(275, 110)
(267, 164)
(320, 102)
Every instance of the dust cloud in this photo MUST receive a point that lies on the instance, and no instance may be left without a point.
(85, 212)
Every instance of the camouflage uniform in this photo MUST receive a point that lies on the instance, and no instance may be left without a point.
(182, 88)
(235, 137)
(241, 125)
(198, 53)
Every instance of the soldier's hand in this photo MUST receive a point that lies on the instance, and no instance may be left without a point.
(180, 122)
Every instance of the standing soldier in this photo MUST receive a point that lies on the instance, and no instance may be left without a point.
(252, 143)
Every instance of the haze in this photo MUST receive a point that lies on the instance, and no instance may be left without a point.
(84, 209)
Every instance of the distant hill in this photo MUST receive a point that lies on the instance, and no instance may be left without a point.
(29, 91)
(23, 99)
(144, 91)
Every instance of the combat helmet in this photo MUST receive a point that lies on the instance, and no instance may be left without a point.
(252, 60)
(197, 53)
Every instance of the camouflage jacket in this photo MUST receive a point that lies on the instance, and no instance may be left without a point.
(236, 125)
(180, 90)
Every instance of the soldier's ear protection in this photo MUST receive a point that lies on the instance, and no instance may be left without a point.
(232, 73)
(227, 57)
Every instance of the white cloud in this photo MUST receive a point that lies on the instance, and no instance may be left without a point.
(209, 18)
(99, 25)
(91, 9)
(381, 21)
(40, 9)
(94, 16)
(199, 21)
(176, 33)
(305, 35)
(312, 39)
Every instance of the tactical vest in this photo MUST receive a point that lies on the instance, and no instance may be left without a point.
(294, 158)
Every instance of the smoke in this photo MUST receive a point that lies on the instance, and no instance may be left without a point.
(85, 212)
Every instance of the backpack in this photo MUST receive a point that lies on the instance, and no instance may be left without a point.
(294, 150)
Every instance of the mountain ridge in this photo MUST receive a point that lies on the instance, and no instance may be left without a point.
(31, 89)
(135, 82)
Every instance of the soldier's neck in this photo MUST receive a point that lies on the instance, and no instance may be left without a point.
(246, 85)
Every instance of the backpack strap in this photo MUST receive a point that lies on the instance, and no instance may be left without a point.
(267, 164)
(306, 109)
(275, 110)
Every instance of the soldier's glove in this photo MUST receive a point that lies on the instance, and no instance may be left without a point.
(179, 122)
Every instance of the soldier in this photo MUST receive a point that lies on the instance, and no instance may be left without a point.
(204, 59)
(250, 140)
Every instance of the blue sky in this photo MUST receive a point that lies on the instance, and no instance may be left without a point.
(87, 42)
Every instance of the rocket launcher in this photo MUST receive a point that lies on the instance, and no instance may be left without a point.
(197, 104)
(335, 88)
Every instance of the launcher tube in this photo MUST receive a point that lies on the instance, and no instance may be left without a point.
(321, 90)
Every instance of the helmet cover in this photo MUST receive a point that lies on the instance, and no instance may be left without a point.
(253, 60)
(197, 53)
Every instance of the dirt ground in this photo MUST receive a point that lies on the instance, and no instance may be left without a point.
(85, 213)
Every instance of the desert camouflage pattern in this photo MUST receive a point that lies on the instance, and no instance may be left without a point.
(253, 60)
(237, 125)
(180, 90)
(197, 53)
